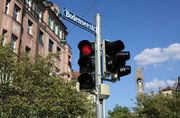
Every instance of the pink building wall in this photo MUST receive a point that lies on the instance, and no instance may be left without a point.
(19, 28)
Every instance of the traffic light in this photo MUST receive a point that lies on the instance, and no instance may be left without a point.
(116, 59)
(86, 65)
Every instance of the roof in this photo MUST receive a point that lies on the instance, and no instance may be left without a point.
(167, 89)
(75, 75)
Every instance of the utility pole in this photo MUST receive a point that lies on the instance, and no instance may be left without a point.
(98, 73)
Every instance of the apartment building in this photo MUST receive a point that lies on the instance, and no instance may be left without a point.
(35, 26)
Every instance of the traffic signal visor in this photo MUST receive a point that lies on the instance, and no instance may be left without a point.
(112, 48)
(86, 81)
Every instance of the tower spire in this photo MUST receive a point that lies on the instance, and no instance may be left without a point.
(139, 81)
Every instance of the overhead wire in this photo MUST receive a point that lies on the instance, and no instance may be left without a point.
(86, 13)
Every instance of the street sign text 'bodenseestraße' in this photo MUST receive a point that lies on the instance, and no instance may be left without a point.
(71, 17)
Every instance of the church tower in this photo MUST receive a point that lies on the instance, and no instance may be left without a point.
(139, 82)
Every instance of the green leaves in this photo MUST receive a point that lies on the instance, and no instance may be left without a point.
(150, 106)
(159, 106)
(7, 65)
(30, 91)
(119, 112)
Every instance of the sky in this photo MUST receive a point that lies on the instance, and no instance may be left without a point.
(150, 30)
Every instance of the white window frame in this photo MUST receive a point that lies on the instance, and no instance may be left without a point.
(7, 6)
(4, 38)
(56, 29)
(13, 42)
(16, 12)
(51, 23)
(30, 27)
(50, 46)
(40, 38)
(29, 3)
(60, 34)
(40, 15)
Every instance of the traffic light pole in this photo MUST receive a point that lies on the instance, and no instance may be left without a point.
(98, 73)
(111, 53)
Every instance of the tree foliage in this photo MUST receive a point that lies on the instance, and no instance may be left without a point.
(150, 106)
(27, 90)
(158, 106)
(120, 112)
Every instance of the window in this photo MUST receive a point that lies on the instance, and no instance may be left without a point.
(29, 4)
(16, 12)
(40, 15)
(69, 62)
(40, 39)
(50, 45)
(30, 25)
(63, 38)
(13, 42)
(56, 12)
(69, 57)
(27, 50)
(56, 30)
(51, 23)
(60, 34)
(58, 50)
(7, 6)
(4, 38)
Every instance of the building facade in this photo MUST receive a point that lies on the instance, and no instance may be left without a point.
(167, 91)
(35, 27)
(171, 90)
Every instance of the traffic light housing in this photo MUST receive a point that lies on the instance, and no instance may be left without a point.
(86, 64)
(116, 58)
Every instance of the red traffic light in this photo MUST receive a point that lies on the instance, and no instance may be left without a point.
(85, 47)
(86, 50)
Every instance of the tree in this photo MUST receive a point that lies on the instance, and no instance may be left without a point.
(158, 106)
(7, 59)
(120, 112)
(31, 91)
